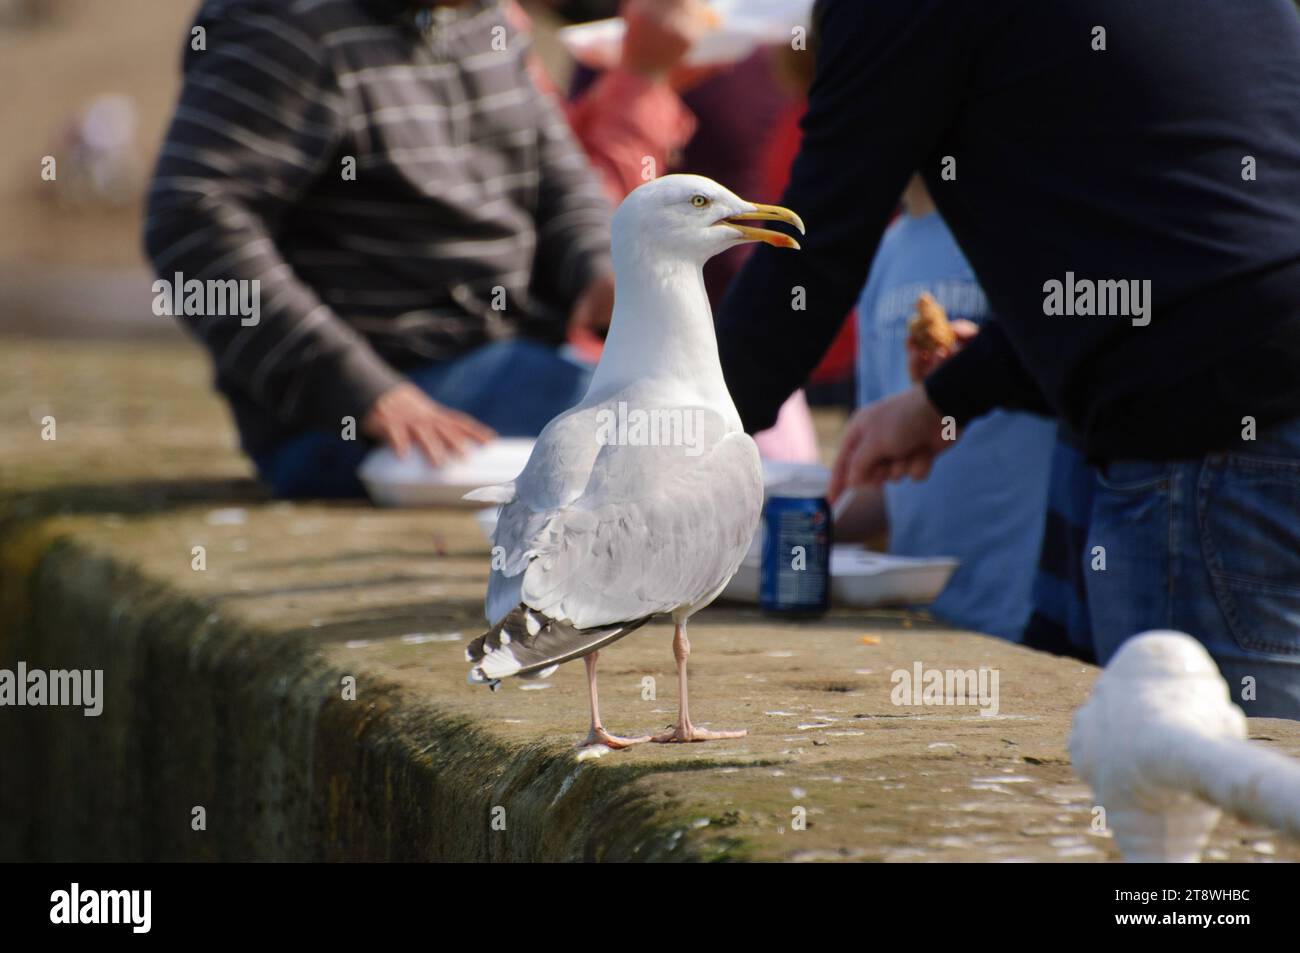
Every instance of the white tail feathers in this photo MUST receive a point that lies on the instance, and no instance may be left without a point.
(497, 493)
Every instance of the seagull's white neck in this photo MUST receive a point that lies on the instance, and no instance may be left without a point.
(661, 331)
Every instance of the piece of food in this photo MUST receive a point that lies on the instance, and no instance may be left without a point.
(928, 328)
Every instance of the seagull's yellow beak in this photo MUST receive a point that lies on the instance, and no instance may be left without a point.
(771, 213)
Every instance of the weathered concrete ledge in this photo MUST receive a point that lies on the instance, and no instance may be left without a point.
(225, 686)
(253, 726)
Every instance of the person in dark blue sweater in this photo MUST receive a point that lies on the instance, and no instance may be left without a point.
(1125, 180)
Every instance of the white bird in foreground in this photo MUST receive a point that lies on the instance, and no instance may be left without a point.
(1164, 748)
(642, 500)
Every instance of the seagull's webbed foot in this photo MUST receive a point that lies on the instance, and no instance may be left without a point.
(687, 732)
(599, 736)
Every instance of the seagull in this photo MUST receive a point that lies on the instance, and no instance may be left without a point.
(642, 500)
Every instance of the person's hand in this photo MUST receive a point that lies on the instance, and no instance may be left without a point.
(593, 309)
(860, 516)
(404, 416)
(920, 363)
(660, 33)
(893, 438)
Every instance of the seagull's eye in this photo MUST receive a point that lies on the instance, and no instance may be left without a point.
(699, 201)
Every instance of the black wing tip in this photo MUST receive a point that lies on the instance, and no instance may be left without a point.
(515, 625)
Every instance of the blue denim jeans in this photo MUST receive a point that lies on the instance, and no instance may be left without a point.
(1059, 622)
(515, 387)
(1211, 547)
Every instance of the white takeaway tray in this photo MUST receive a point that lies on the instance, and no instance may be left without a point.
(860, 578)
(411, 481)
(743, 25)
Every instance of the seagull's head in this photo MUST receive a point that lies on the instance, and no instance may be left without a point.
(692, 217)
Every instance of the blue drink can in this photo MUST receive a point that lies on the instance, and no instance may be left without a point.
(796, 570)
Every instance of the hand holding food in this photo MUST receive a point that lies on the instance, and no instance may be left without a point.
(932, 338)
(928, 328)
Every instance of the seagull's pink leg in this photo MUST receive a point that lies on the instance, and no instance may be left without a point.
(685, 731)
(598, 735)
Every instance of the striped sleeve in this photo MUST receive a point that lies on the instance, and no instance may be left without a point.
(573, 213)
(258, 121)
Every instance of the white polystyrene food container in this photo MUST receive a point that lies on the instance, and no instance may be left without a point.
(860, 579)
(412, 481)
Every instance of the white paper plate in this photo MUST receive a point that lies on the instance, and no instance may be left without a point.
(411, 481)
(743, 25)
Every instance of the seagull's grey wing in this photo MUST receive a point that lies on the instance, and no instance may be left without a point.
(656, 528)
(656, 531)
(557, 473)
